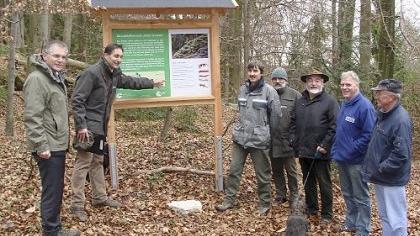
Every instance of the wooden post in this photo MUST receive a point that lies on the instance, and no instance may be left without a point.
(112, 144)
(215, 72)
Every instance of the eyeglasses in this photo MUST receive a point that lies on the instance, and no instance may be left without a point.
(276, 78)
(57, 56)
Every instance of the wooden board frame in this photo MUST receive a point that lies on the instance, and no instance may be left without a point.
(214, 29)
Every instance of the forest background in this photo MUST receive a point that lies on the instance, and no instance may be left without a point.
(375, 38)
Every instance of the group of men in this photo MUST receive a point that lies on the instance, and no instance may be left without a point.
(278, 124)
(46, 120)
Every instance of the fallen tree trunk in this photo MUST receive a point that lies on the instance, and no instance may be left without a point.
(169, 169)
(77, 64)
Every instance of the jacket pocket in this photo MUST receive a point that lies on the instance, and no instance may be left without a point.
(259, 104)
(242, 102)
(261, 137)
(238, 134)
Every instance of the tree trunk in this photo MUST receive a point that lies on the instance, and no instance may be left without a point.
(33, 33)
(20, 38)
(9, 130)
(247, 34)
(386, 38)
(237, 66)
(345, 33)
(43, 23)
(334, 33)
(68, 24)
(166, 125)
(365, 42)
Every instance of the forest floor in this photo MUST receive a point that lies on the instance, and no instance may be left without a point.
(145, 196)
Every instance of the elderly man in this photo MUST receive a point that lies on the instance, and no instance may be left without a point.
(282, 155)
(355, 123)
(388, 158)
(312, 130)
(47, 130)
(259, 112)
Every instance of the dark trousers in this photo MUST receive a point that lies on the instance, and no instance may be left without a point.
(261, 160)
(319, 175)
(52, 179)
(279, 165)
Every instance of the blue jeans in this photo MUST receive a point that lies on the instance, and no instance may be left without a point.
(51, 172)
(356, 196)
(392, 207)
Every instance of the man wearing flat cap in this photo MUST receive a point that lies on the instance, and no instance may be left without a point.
(281, 154)
(312, 130)
(388, 158)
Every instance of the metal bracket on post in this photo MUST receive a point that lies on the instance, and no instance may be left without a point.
(113, 165)
(219, 164)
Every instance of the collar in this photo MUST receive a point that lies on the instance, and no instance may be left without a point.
(353, 100)
(384, 115)
(256, 87)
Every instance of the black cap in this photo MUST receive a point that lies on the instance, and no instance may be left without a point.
(391, 85)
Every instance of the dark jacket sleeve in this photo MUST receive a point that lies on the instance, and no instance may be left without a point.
(332, 117)
(292, 128)
(274, 108)
(130, 82)
(82, 90)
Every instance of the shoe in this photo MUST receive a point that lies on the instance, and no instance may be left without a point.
(108, 202)
(79, 213)
(311, 212)
(280, 199)
(69, 232)
(224, 206)
(344, 228)
(262, 211)
(325, 221)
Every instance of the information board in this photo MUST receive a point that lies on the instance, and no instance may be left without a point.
(181, 57)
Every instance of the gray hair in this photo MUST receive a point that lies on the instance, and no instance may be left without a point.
(47, 47)
(351, 74)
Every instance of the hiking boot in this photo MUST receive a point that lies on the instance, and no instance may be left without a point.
(325, 221)
(69, 232)
(79, 213)
(345, 228)
(280, 199)
(224, 206)
(108, 202)
(263, 210)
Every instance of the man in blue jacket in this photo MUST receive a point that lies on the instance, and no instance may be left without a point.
(388, 158)
(355, 123)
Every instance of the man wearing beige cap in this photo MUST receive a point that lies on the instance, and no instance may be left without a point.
(388, 158)
(312, 130)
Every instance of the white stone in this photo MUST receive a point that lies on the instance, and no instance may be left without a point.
(186, 207)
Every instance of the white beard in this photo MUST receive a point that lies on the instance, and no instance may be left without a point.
(314, 90)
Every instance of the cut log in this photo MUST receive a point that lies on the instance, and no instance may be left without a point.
(168, 169)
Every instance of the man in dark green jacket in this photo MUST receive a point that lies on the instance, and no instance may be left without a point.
(47, 130)
(282, 155)
(92, 99)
